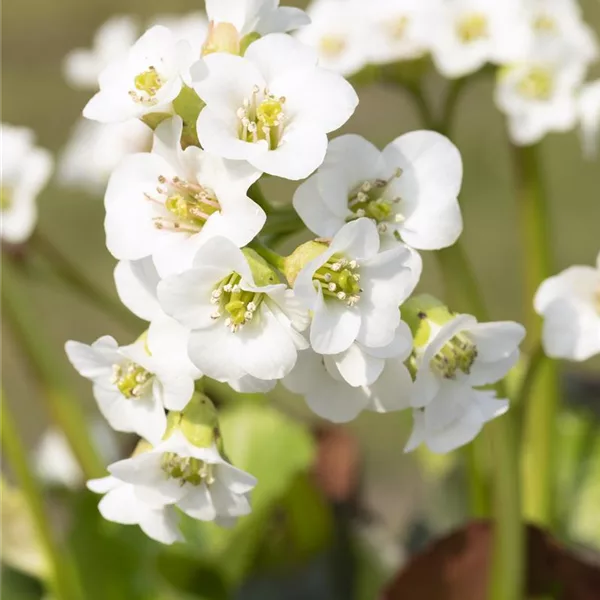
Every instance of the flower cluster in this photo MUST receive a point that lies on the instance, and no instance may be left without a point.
(543, 49)
(194, 238)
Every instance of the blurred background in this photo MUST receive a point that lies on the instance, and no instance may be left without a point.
(385, 504)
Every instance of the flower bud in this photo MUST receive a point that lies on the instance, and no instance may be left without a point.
(262, 272)
(297, 260)
(421, 312)
(222, 37)
(198, 421)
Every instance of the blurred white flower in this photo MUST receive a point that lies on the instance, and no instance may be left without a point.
(539, 95)
(409, 190)
(197, 480)
(192, 27)
(146, 79)
(120, 504)
(95, 149)
(273, 107)
(25, 171)
(454, 419)
(166, 203)
(467, 34)
(134, 384)
(570, 305)
(82, 67)
(243, 321)
(338, 33)
(354, 290)
(589, 117)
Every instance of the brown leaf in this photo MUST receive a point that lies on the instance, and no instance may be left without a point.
(456, 568)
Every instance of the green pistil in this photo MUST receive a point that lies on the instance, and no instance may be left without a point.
(458, 354)
(370, 200)
(6, 199)
(131, 380)
(187, 469)
(262, 119)
(339, 279)
(238, 306)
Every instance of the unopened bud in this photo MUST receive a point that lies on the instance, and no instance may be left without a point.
(222, 37)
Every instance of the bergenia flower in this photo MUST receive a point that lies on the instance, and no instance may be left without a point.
(338, 34)
(570, 305)
(166, 203)
(409, 190)
(354, 290)
(25, 171)
(242, 320)
(83, 66)
(455, 419)
(120, 504)
(273, 107)
(147, 79)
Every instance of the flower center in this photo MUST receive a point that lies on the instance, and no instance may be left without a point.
(261, 117)
(396, 28)
(536, 84)
(339, 278)
(187, 469)
(238, 306)
(331, 46)
(472, 27)
(6, 199)
(188, 205)
(131, 379)
(370, 199)
(544, 23)
(458, 354)
(146, 85)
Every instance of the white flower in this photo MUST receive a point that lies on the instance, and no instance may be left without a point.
(558, 26)
(409, 190)
(338, 33)
(195, 479)
(120, 504)
(240, 326)
(539, 95)
(147, 79)
(354, 290)
(469, 33)
(82, 67)
(589, 117)
(134, 384)
(95, 149)
(165, 204)
(454, 419)
(463, 353)
(570, 305)
(25, 171)
(255, 16)
(399, 29)
(192, 27)
(273, 107)
(328, 395)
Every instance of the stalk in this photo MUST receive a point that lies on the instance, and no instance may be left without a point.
(62, 576)
(45, 363)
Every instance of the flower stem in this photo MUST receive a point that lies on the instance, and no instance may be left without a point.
(70, 275)
(62, 575)
(269, 255)
(43, 361)
(255, 193)
(542, 404)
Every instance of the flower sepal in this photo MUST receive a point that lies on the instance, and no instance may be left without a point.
(302, 255)
(423, 311)
(262, 271)
(198, 422)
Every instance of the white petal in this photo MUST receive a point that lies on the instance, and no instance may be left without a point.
(357, 367)
(95, 361)
(393, 389)
(358, 239)
(234, 479)
(120, 505)
(161, 525)
(496, 340)
(136, 283)
(484, 373)
(336, 401)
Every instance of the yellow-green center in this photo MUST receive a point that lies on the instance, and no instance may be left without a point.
(131, 379)
(236, 305)
(458, 354)
(339, 278)
(187, 469)
(331, 46)
(147, 84)
(396, 28)
(472, 27)
(261, 117)
(6, 198)
(544, 23)
(536, 84)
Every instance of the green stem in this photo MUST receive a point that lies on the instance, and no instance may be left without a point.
(255, 193)
(542, 405)
(44, 361)
(62, 574)
(283, 221)
(269, 255)
(70, 275)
